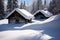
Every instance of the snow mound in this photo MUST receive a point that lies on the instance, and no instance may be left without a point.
(22, 35)
(51, 19)
(45, 37)
(57, 17)
(4, 21)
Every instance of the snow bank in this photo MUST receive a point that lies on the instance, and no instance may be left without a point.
(45, 37)
(57, 17)
(50, 19)
(23, 35)
(5, 21)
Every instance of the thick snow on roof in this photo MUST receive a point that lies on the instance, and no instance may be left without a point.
(22, 12)
(46, 13)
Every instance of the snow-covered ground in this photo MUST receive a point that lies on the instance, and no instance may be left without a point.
(23, 35)
(37, 30)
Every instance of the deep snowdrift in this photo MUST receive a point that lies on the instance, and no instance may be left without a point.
(23, 35)
(4, 21)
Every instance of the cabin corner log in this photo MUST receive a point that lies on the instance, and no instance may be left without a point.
(9, 21)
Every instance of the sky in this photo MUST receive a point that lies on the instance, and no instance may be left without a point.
(19, 1)
(29, 1)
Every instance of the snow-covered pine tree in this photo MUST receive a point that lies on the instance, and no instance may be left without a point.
(45, 4)
(39, 5)
(54, 6)
(57, 7)
(1, 8)
(21, 5)
(15, 4)
(10, 5)
(24, 5)
(37, 8)
(33, 8)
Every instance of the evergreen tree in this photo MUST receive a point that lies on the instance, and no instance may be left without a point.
(33, 8)
(10, 5)
(45, 4)
(1, 8)
(15, 4)
(38, 2)
(39, 5)
(21, 5)
(24, 5)
(54, 6)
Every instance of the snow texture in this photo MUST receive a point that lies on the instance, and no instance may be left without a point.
(37, 30)
(46, 13)
(5, 21)
(23, 35)
(22, 12)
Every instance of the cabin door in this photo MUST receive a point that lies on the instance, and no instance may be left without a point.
(16, 18)
(17, 21)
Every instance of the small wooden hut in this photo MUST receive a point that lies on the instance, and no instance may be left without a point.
(19, 16)
(42, 14)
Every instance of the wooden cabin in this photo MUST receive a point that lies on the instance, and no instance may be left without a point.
(19, 16)
(41, 14)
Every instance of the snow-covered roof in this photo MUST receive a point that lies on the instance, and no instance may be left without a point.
(24, 13)
(46, 13)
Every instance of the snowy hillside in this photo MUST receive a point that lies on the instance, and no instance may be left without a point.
(37, 30)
